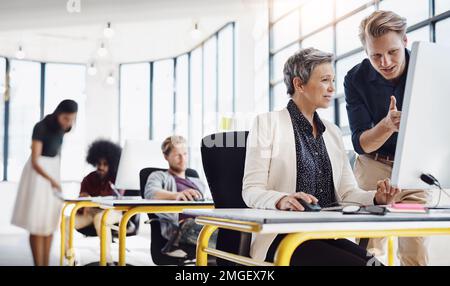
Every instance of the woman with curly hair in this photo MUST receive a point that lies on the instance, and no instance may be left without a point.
(104, 156)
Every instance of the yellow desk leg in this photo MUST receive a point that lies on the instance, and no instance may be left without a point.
(70, 251)
(73, 215)
(123, 233)
(63, 233)
(287, 247)
(202, 243)
(103, 237)
(391, 251)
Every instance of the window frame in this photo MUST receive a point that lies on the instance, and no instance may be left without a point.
(430, 22)
(7, 108)
(215, 36)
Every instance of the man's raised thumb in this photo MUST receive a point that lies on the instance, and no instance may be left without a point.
(393, 105)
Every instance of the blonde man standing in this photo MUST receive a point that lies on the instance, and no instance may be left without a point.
(374, 95)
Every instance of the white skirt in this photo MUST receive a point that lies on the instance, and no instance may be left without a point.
(37, 208)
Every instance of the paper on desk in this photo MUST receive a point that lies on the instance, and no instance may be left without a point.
(59, 195)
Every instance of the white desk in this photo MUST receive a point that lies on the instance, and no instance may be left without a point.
(137, 201)
(303, 226)
(134, 206)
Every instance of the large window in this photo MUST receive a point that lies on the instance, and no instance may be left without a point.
(35, 89)
(312, 19)
(135, 101)
(2, 111)
(422, 34)
(196, 103)
(344, 7)
(210, 86)
(347, 32)
(184, 95)
(442, 6)
(63, 81)
(321, 40)
(443, 32)
(286, 30)
(281, 8)
(225, 67)
(332, 26)
(280, 96)
(343, 66)
(415, 11)
(163, 99)
(279, 59)
(24, 106)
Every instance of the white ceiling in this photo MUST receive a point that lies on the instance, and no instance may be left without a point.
(144, 30)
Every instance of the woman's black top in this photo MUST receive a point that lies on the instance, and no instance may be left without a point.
(314, 171)
(50, 137)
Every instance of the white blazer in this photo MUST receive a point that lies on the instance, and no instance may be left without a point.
(271, 169)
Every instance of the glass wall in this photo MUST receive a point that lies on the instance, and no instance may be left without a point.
(347, 32)
(182, 96)
(196, 104)
(63, 81)
(210, 86)
(35, 89)
(442, 6)
(134, 101)
(2, 112)
(225, 71)
(415, 11)
(443, 32)
(24, 113)
(163, 99)
(332, 26)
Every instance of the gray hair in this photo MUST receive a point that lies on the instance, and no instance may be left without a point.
(302, 64)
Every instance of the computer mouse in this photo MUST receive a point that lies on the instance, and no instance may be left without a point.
(309, 207)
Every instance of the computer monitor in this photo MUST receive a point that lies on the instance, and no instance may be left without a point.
(423, 144)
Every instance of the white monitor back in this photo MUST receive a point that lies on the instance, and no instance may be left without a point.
(136, 155)
(423, 144)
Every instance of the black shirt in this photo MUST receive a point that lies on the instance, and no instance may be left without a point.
(368, 95)
(314, 171)
(51, 139)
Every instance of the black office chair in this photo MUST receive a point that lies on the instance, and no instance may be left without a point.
(223, 157)
(157, 241)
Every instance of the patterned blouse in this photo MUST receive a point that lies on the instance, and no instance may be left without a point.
(314, 171)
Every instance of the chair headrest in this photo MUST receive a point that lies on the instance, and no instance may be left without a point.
(223, 157)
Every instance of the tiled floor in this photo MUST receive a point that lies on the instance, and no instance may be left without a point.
(14, 246)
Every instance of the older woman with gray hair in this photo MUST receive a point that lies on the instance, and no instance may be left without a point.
(295, 158)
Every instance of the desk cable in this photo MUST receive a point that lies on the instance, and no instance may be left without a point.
(432, 181)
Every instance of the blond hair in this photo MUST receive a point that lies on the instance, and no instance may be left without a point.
(170, 142)
(380, 23)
